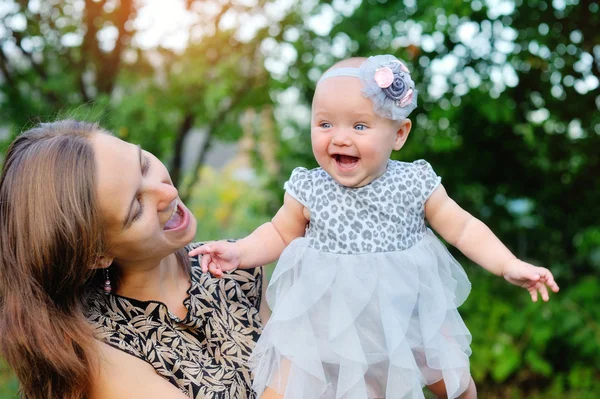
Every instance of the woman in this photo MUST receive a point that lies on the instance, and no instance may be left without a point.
(97, 295)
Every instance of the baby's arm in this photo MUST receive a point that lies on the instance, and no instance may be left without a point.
(474, 239)
(262, 246)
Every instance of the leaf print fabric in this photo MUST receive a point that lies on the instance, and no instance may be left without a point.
(205, 354)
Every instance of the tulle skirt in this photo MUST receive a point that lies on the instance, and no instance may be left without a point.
(356, 326)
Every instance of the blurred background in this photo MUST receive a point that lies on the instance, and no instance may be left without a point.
(220, 91)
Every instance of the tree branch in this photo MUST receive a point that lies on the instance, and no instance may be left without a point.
(37, 67)
(184, 129)
(112, 61)
(5, 71)
(237, 98)
(80, 67)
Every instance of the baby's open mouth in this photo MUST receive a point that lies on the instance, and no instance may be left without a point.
(345, 161)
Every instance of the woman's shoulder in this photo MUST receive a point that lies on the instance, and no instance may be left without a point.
(247, 283)
(110, 317)
(120, 375)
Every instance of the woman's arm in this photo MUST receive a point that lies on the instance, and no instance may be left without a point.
(122, 375)
(474, 239)
(262, 246)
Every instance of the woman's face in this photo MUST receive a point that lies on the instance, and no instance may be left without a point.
(145, 220)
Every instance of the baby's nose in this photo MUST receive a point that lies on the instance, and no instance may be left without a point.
(341, 136)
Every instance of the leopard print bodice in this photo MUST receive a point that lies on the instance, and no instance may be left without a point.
(385, 215)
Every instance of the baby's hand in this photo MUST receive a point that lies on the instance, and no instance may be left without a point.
(218, 257)
(533, 278)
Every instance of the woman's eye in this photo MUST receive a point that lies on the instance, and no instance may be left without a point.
(145, 166)
(140, 211)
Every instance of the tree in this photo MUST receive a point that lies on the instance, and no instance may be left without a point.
(80, 58)
(517, 83)
(508, 115)
(52, 57)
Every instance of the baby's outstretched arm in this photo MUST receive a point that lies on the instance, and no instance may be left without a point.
(261, 247)
(474, 239)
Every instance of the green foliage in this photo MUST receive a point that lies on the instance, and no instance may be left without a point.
(8, 384)
(521, 153)
(549, 348)
(226, 206)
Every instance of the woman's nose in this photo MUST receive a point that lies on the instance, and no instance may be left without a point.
(165, 194)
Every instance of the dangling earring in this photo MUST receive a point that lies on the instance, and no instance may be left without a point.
(107, 287)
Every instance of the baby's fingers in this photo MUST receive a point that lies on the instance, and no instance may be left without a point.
(215, 270)
(201, 250)
(204, 261)
(541, 287)
(549, 278)
(534, 294)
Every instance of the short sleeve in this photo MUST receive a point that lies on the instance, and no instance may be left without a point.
(249, 280)
(429, 179)
(300, 186)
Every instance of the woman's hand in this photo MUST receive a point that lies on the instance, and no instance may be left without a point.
(533, 278)
(218, 257)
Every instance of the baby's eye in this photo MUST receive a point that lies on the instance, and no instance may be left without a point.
(360, 126)
(325, 125)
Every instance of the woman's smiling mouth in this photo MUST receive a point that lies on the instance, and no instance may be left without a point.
(177, 218)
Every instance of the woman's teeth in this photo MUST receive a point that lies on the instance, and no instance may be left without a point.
(175, 219)
(174, 209)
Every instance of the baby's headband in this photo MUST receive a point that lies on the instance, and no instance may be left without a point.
(387, 83)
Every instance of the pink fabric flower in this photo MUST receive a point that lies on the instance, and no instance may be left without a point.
(407, 99)
(384, 77)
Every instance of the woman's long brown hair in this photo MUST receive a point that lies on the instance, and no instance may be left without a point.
(50, 236)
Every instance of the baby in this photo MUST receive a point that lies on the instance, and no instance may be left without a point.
(364, 295)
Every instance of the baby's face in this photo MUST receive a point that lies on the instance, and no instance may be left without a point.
(350, 141)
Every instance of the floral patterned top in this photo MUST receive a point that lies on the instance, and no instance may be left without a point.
(205, 355)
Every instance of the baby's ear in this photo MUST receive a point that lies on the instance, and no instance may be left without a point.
(403, 127)
(102, 262)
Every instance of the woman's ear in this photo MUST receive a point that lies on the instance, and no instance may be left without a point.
(402, 133)
(102, 262)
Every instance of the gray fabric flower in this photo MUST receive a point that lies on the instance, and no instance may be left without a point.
(389, 86)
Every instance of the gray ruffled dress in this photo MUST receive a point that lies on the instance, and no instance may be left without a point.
(365, 304)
